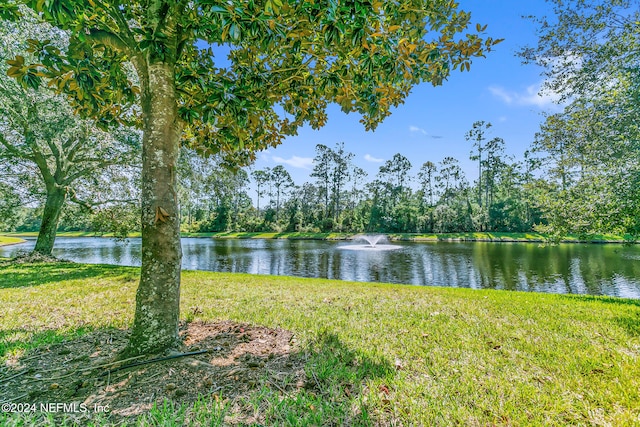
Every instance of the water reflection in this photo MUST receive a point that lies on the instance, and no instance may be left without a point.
(580, 269)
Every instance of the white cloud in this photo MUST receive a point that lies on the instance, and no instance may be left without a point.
(500, 92)
(295, 161)
(264, 155)
(370, 158)
(417, 129)
(532, 95)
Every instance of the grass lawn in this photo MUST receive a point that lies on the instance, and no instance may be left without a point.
(9, 240)
(400, 355)
(67, 234)
(426, 237)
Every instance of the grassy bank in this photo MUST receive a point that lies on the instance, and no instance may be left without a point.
(400, 355)
(420, 237)
(424, 237)
(67, 234)
(10, 240)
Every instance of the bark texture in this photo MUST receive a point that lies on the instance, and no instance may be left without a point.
(155, 326)
(50, 217)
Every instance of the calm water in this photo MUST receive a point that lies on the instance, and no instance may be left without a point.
(571, 268)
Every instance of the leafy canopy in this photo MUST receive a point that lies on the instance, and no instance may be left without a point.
(587, 47)
(590, 51)
(287, 60)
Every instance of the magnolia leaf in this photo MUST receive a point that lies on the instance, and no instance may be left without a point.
(16, 72)
(234, 32)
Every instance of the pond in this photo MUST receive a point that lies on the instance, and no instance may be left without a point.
(607, 269)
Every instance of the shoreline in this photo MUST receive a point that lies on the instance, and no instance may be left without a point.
(10, 243)
(497, 237)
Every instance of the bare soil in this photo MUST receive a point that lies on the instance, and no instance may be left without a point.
(233, 360)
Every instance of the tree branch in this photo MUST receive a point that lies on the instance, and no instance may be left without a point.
(57, 158)
(110, 39)
(89, 170)
(14, 150)
(73, 197)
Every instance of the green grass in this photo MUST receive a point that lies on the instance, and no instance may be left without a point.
(68, 234)
(7, 240)
(418, 237)
(408, 355)
(470, 236)
(506, 237)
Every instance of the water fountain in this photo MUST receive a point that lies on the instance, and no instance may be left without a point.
(376, 242)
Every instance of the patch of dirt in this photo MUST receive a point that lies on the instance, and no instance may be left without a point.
(232, 360)
(25, 257)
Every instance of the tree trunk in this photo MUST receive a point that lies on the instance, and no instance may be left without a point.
(50, 218)
(155, 326)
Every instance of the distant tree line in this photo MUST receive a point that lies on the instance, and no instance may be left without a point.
(341, 198)
(560, 186)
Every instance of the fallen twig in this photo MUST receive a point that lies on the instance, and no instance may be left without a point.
(14, 398)
(279, 388)
(4, 380)
(313, 374)
(157, 359)
(91, 368)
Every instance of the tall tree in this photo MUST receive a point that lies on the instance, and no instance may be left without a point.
(590, 52)
(260, 177)
(493, 165)
(289, 56)
(41, 138)
(395, 171)
(555, 140)
(477, 136)
(391, 190)
(453, 210)
(340, 174)
(426, 177)
(281, 182)
(322, 165)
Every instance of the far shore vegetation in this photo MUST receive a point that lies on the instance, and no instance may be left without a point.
(17, 237)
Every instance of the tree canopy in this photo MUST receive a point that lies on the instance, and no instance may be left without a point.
(48, 153)
(590, 51)
(298, 56)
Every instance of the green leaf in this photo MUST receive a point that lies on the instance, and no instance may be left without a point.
(17, 62)
(234, 32)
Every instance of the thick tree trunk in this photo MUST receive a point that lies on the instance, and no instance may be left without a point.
(155, 326)
(50, 218)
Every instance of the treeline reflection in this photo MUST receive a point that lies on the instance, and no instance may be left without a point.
(609, 269)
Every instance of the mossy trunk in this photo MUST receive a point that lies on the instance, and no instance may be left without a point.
(155, 326)
(50, 218)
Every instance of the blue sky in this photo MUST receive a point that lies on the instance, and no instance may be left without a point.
(432, 123)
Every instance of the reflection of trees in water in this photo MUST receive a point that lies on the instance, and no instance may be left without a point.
(444, 264)
(99, 250)
(223, 256)
(568, 268)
